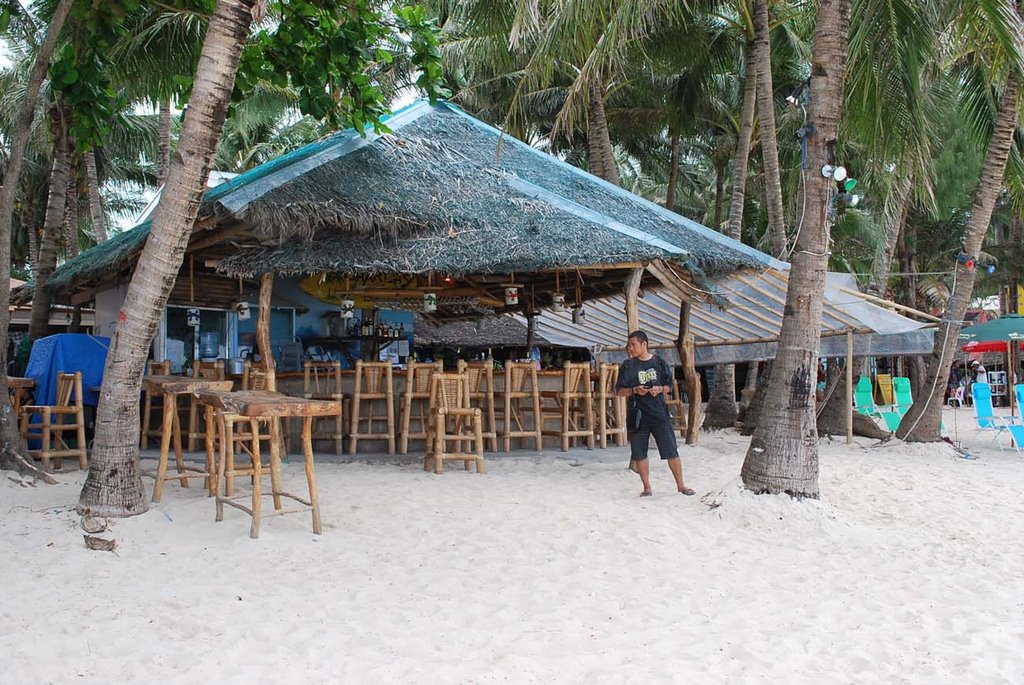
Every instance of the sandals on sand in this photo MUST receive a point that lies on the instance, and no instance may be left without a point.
(688, 491)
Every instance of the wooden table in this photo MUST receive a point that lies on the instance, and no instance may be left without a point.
(270, 406)
(19, 389)
(170, 387)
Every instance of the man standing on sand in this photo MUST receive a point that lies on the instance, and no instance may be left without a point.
(645, 379)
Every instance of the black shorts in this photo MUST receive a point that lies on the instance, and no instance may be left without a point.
(664, 436)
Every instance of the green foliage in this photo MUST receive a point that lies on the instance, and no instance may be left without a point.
(80, 74)
(329, 53)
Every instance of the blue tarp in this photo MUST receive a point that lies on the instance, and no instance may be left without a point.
(67, 353)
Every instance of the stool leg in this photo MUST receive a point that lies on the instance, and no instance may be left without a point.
(353, 441)
(226, 445)
(405, 421)
(275, 461)
(229, 437)
(257, 465)
(179, 458)
(390, 413)
(166, 428)
(307, 448)
(478, 435)
(339, 427)
(147, 408)
(210, 429)
(193, 426)
(46, 441)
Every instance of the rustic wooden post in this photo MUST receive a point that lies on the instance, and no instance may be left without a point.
(849, 387)
(687, 357)
(263, 330)
(530, 331)
(1011, 366)
(632, 292)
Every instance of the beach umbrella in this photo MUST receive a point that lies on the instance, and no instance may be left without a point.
(997, 335)
(993, 336)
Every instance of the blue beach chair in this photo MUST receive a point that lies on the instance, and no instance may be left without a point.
(981, 393)
(1016, 430)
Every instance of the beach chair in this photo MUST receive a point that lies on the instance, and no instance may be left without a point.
(981, 393)
(864, 400)
(1016, 430)
(893, 414)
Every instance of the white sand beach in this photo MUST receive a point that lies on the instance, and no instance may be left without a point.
(546, 569)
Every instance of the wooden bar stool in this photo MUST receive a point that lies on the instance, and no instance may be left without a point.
(322, 381)
(213, 371)
(151, 401)
(572, 407)
(237, 438)
(270, 407)
(373, 386)
(522, 396)
(49, 432)
(453, 421)
(677, 407)
(416, 396)
(611, 409)
(480, 376)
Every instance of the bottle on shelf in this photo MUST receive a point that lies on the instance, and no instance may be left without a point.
(401, 331)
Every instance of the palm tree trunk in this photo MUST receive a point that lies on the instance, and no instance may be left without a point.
(71, 218)
(164, 161)
(1013, 286)
(739, 174)
(907, 255)
(921, 422)
(895, 214)
(53, 226)
(783, 453)
(113, 486)
(673, 173)
(92, 179)
(599, 142)
(33, 247)
(721, 411)
(769, 144)
(11, 456)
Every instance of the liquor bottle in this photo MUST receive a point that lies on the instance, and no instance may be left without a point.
(401, 331)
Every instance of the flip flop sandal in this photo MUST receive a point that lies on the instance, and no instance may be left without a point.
(688, 491)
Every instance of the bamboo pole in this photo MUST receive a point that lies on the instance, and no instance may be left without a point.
(632, 292)
(849, 387)
(263, 322)
(692, 379)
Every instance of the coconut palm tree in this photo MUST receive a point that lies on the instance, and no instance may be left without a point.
(783, 452)
(10, 456)
(114, 486)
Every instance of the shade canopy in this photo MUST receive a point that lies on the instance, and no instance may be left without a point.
(993, 335)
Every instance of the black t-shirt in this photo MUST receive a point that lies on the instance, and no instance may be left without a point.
(654, 371)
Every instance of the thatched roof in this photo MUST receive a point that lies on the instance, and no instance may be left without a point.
(489, 331)
(445, 192)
